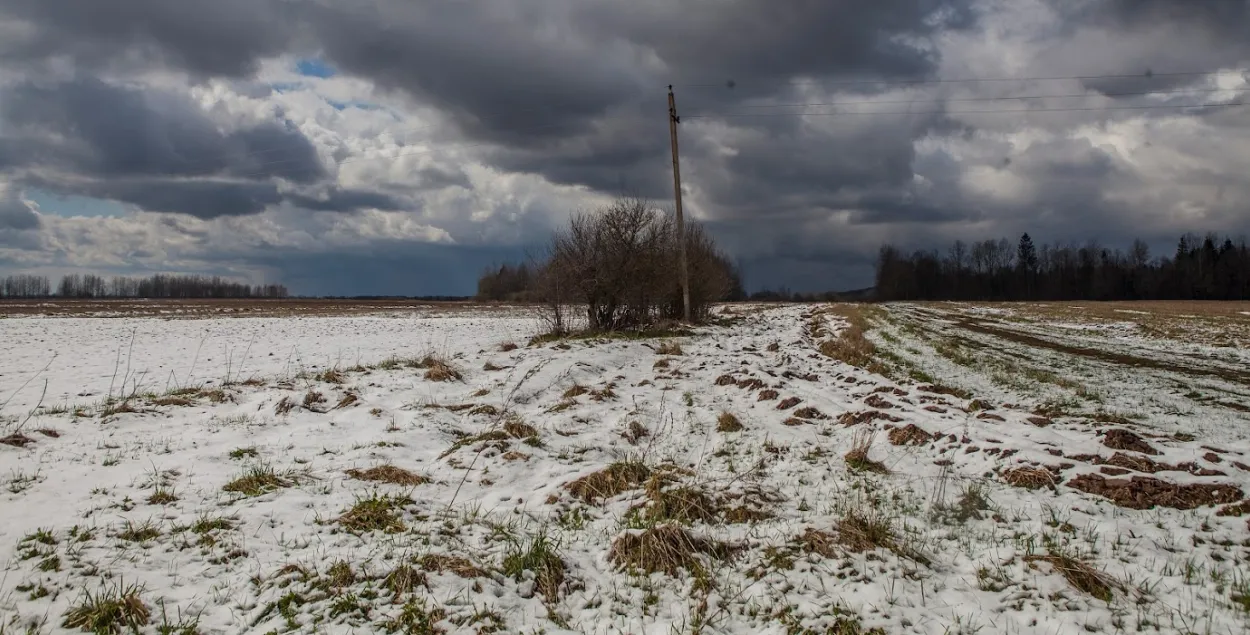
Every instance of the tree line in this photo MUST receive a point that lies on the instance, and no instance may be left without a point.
(85, 286)
(1206, 267)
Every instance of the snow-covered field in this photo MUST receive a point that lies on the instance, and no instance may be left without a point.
(995, 471)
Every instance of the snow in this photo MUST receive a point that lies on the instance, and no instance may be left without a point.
(486, 498)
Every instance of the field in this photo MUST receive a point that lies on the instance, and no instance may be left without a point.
(419, 468)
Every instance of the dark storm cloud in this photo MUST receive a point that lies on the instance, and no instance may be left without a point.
(14, 214)
(222, 37)
(338, 200)
(200, 198)
(102, 130)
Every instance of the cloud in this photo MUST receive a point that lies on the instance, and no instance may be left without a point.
(15, 214)
(295, 136)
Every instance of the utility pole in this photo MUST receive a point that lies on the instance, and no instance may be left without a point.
(673, 120)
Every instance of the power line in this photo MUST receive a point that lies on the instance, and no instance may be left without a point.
(861, 102)
(794, 114)
(969, 80)
(513, 112)
(963, 112)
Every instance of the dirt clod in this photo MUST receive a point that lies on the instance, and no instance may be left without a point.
(1144, 492)
(1029, 477)
(1121, 439)
(788, 403)
(909, 435)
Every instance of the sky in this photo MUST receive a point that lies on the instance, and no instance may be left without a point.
(399, 147)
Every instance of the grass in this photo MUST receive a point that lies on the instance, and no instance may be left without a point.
(860, 531)
(439, 368)
(162, 496)
(416, 618)
(258, 480)
(672, 349)
(541, 559)
(851, 346)
(609, 482)
(667, 548)
(403, 580)
(245, 453)
(455, 565)
(109, 611)
(1080, 575)
(728, 422)
(685, 504)
(331, 376)
(206, 524)
(389, 474)
(375, 513)
(141, 532)
(857, 459)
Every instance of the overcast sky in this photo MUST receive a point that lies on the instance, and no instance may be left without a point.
(398, 146)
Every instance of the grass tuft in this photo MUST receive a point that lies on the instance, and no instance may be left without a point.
(109, 611)
(666, 549)
(728, 422)
(389, 474)
(438, 563)
(439, 369)
(857, 459)
(541, 559)
(258, 480)
(610, 481)
(375, 513)
(1080, 575)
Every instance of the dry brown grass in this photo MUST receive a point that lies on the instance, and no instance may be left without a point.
(347, 400)
(857, 459)
(516, 428)
(389, 474)
(1030, 477)
(851, 345)
(685, 504)
(671, 349)
(576, 390)
(1080, 575)
(312, 398)
(611, 481)
(665, 549)
(819, 542)
(437, 563)
(172, 401)
(635, 432)
(439, 369)
(768, 395)
(331, 376)
(507, 346)
(728, 422)
(860, 532)
(284, 406)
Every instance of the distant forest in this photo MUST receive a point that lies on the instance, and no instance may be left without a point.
(156, 286)
(1202, 268)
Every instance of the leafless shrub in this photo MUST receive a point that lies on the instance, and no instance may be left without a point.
(618, 264)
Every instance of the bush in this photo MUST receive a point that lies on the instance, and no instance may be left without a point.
(620, 264)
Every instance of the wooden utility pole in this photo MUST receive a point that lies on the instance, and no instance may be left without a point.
(673, 120)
